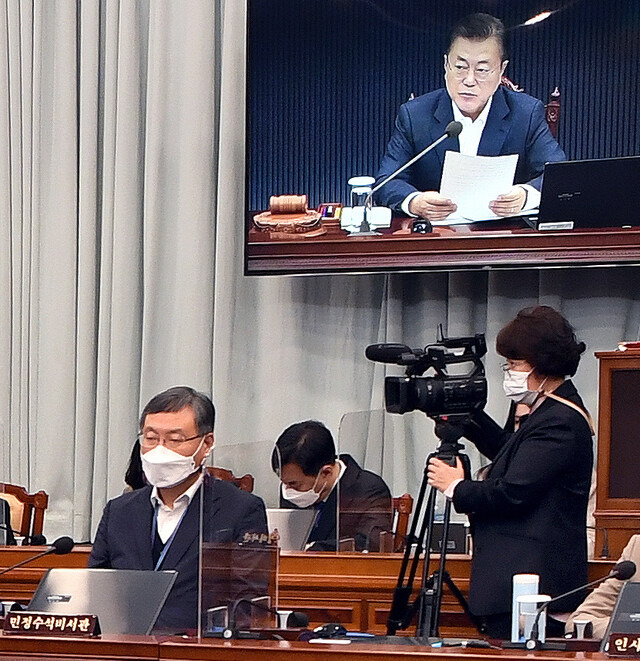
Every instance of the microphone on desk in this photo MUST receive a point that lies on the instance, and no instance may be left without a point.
(60, 546)
(623, 571)
(294, 620)
(452, 130)
(28, 540)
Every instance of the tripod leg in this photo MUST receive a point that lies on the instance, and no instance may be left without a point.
(477, 623)
(401, 614)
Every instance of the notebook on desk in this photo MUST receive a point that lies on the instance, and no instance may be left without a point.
(595, 193)
(126, 601)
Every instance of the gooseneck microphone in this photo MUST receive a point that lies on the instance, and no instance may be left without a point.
(623, 571)
(452, 130)
(60, 546)
(295, 619)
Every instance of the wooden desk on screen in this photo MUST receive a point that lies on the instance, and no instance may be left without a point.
(493, 244)
(129, 648)
(352, 588)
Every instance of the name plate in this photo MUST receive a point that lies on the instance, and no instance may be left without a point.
(624, 644)
(47, 624)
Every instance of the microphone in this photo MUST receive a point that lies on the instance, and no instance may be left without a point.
(452, 130)
(60, 546)
(398, 354)
(294, 620)
(27, 540)
(623, 571)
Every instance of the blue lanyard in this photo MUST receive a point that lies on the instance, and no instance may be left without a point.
(168, 543)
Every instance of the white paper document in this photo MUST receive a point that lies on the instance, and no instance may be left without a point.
(474, 181)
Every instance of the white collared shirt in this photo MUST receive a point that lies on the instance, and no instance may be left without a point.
(169, 518)
(471, 129)
(469, 140)
(343, 468)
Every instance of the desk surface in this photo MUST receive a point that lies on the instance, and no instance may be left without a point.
(119, 648)
(354, 589)
(505, 243)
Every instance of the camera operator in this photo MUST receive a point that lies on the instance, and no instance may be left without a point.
(528, 514)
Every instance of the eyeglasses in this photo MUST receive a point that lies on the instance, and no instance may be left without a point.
(505, 367)
(173, 441)
(461, 71)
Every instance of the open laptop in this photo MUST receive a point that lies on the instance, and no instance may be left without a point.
(126, 601)
(626, 613)
(293, 526)
(602, 192)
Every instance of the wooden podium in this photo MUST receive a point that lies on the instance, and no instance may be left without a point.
(618, 489)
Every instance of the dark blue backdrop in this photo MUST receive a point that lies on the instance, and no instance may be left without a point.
(326, 78)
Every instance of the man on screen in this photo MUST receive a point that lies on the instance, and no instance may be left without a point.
(495, 121)
(157, 526)
(312, 475)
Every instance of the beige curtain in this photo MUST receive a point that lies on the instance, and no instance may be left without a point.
(121, 227)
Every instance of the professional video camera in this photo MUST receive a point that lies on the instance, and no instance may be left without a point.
(450, 392)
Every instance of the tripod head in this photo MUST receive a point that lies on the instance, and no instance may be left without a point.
(450, 429)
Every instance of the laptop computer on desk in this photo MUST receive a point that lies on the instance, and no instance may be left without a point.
(625, 618)
(126, 601)
(590, 194)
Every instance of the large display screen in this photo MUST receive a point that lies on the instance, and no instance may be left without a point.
(325, 80)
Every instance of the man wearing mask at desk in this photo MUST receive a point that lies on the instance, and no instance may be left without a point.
(495, 121)
(157, 526)
(351, 503)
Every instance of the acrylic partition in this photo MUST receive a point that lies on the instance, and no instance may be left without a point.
(395, 447)
(238, 587)
(313, 527)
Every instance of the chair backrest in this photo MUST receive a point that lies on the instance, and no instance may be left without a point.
(27, 509)
(395, 541)
(245, 482)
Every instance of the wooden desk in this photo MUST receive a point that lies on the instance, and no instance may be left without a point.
(352, 588)
(130, 648)
(494, 244)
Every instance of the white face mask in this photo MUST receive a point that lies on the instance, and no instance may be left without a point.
(165, 468)
(516, 388)
(301, 498)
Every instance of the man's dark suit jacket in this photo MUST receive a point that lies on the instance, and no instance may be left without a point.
(529, 514)
(365, 510)
(5, 522)
(123, 540)
(515, 125)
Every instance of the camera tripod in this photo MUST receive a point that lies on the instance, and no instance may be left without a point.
(429, 600)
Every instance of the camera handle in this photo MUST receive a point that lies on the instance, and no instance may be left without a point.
(429, 600)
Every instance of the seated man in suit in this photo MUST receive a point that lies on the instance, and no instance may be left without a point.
(495, 121)
(6, 532)
(312, 475)
(598, 606)
(157, 526)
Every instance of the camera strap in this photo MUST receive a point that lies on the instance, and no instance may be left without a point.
(585, 414)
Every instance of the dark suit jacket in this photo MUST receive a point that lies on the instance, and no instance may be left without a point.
(123, 540)
(365, 510)
(529, 514)
(5, 522)
(515, 125)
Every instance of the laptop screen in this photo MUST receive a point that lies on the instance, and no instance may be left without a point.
(293, 527)
(126, 601)
(594, 193)
(626, 613)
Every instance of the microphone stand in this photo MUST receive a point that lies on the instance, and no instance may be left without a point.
(26, 560)
(453, 130)
(532, 642)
